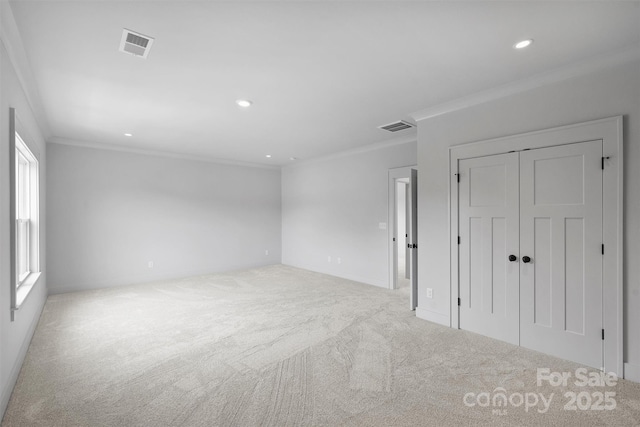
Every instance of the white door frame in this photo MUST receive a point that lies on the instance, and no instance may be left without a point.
(609, 130)
(394, 175)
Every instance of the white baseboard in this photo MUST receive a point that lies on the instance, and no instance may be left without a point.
(157, 276)
(632, 372)
(354, 278)
(432, 316)
(15, 370)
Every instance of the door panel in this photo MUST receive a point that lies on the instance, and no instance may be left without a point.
(489, 230)
(574, 274)
(542, 271)
(558, 181)
(561, 230)
(498, 257)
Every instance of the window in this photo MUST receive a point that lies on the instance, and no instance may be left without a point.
(26, 209)
(22, 214)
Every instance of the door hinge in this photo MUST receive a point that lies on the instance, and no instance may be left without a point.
(457, 176)
(602, 161)
(459, 302)
(394, 239)
(414, 246)
(603, 249)
(603, 334)
(458, 239)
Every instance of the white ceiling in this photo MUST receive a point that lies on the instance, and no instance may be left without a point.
(322, 74)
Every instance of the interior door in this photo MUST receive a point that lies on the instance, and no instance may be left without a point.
(413, 232)
(561, 248)
(488, 246)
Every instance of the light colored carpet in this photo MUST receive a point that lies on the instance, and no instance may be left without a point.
(401, 280)
(277, 346)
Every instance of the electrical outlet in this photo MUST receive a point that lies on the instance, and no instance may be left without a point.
(266, 251)
(429, 293)
(339, 260)
(150, 264)
(382, 225)
(329, 258)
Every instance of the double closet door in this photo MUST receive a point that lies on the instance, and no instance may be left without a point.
(530, 249)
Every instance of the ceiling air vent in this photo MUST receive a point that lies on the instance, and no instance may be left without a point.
(396, 126)
(135, 43)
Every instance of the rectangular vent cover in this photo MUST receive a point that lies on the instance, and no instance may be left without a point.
(135, 43)
(397, 126)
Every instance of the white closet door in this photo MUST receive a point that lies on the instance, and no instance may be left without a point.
(561, 233)
(489, 233)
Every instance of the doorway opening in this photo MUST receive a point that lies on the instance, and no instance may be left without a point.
(403, 270)
(403, 232)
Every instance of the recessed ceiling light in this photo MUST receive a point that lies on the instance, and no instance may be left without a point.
(128, 134)
(523, 44)
(268, 156)
(244, 103)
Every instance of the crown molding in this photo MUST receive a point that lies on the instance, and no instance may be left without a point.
(17, 56)
(183, 156)
(554, 76)
(157, 153)
(359, 150)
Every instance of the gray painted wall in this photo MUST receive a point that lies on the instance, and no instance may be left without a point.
(15, 336)
(111, 212)
(615, 91)
(332, 207)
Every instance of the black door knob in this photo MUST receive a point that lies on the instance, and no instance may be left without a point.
(513, 258)
(526, 259)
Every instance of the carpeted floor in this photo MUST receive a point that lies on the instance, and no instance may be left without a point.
(280, 346)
